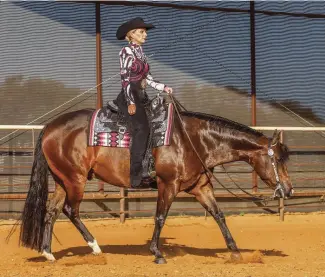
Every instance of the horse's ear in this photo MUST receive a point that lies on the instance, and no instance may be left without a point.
(276, 136)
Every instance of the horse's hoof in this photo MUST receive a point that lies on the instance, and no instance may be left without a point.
(160, 261)
(95, 247)
(236, 257)
(48, 256)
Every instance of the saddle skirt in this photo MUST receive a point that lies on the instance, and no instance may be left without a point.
(108, 127)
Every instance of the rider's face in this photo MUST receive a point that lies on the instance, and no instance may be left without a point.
(138, 36)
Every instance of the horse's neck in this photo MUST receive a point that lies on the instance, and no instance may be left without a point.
(216, 145)
(226, 148)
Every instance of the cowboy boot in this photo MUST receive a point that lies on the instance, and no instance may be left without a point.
(149, 173)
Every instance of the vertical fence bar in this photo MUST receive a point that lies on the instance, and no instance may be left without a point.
(253, 81)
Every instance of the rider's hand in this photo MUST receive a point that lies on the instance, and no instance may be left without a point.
(131, 109)
(168, 90)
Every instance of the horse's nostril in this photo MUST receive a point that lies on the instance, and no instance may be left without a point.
(290, 193)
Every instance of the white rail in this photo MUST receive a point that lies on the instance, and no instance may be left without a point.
(21, 127)
(305, 129)
(264, 128)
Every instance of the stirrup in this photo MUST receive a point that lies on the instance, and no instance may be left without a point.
(146, 183)
(150, 181)
(148, 164)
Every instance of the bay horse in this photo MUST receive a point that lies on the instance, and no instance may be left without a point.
(62, 150)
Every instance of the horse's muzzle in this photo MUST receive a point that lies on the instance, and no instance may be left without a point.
(290, 192)
(281, 192)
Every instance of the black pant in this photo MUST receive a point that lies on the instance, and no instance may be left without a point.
(139, 131)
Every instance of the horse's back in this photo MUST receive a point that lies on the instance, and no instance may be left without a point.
(76, 118)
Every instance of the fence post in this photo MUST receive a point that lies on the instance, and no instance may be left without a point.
(281, 200)
(99, 103)
(33, 141)
(253, 81)
(122, 205)
(99, 59)
(11, 157)
(281, 208)
(254, 180)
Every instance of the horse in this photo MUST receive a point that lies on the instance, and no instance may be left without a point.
(62, 151)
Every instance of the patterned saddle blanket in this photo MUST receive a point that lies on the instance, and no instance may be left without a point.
(108, 127)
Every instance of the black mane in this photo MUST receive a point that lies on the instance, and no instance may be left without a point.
(223, 122)
(227, 123)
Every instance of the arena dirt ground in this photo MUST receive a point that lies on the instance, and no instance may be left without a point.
(192, 246)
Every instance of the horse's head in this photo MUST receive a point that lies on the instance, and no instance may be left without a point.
(270, 165)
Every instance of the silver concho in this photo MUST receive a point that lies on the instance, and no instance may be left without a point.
(270, 152)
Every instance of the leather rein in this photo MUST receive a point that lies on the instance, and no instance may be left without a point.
(279, 187)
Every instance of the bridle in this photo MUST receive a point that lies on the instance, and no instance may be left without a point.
(279, 187)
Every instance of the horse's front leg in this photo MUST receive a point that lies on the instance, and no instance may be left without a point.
(203, 192)
(166, 196)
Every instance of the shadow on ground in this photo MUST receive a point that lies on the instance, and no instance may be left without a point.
(170, 250)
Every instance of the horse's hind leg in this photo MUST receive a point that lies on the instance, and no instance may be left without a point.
(53, 209)
(203, 192)
(71, 210)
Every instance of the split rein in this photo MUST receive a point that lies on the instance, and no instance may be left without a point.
(265, 200)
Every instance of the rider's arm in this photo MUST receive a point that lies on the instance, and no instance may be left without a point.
(126, 60)
(154, 84)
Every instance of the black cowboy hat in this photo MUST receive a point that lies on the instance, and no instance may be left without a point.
(132, 24)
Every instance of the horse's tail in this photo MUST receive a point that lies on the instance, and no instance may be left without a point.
(32, 226)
